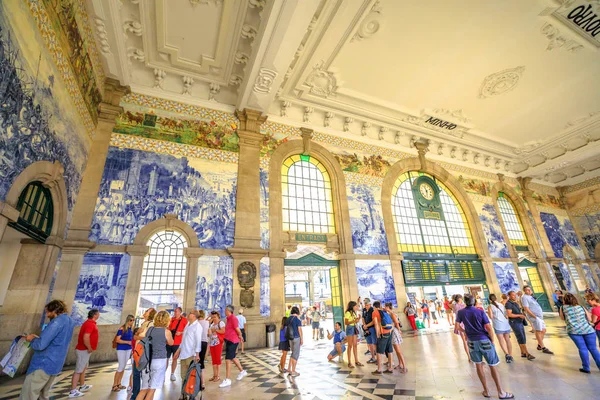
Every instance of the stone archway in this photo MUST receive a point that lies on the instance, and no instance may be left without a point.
(473, 221)
(282, 242)
(139, 250)
(33, 271)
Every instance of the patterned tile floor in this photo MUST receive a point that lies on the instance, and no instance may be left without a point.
(437, 370)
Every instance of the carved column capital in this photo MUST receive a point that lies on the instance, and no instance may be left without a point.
(422, 146)
(306, 139)
(110, 108)
(137, 250)
(250, 120)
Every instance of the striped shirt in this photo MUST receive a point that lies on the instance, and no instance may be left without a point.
(577, 323)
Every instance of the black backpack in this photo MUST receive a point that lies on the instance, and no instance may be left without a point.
(289, 330)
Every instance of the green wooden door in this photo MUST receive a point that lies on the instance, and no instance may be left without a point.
(336, 295)
(531, 274)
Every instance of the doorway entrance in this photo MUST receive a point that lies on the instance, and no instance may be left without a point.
(531, 277)
(315, 281)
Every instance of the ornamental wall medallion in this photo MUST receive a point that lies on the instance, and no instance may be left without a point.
(247, 298)
(500, 82)
(246, 274)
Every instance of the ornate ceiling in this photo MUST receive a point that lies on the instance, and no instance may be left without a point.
(506, 86)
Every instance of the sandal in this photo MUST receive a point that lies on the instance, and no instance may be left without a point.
(350, 366)
(121, 387)
(487, 396)
(358, 364)
(507, 396)
(213, 379)
(115, 388)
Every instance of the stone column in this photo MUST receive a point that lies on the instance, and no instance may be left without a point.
(490, 273)
(277, 281)
(247, 220)
(191, 275)
(28, 289)
(77, 243)
(134, 278)
(311, 287)
(400, 287)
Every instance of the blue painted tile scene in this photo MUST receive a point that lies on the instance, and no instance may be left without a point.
(366, 220)
(493, 232)
(375, 280)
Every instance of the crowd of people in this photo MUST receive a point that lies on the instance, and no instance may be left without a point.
(182, 337)
(187, 339)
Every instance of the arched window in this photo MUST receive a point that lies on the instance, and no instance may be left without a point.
(35, 212)
(164, 266)
(306, 196)
(416, 233)
(512, 222)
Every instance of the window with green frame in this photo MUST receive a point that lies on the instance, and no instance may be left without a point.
(512, 222)
(35, 212)
(418, 235)
(306, 196)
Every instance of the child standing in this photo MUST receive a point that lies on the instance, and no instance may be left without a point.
(284, 345)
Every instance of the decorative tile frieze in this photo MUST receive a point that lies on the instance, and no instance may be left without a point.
(88, 34)
(352, 177)
(175, 149)
(582, 185)
(591, 209)
(42, 19)
(552, 210)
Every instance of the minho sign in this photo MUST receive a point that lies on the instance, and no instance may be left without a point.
(440, 123)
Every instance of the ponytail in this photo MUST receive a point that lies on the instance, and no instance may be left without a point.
(492, 299)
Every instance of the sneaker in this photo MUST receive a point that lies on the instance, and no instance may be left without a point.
(241, 375)
(367, 352)
(546, 351)
(85, 388)
(225, 383)
(507, 359)
(75, 393)
(173, 379)
(129, 389)
(371, 361)
(585, 371)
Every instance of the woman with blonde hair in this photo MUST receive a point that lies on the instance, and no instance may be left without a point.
(594, 302)
(154, 377)
(123, 345)
(136, 376)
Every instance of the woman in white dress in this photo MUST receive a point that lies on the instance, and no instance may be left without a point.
(497, 314)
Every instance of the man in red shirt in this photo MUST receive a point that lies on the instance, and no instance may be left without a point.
(87, 342)
(233, 336)
(176, 326)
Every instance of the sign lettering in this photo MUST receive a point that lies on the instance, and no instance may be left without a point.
(585, 18)
(311, 237)
(432, 215)
(440, 123)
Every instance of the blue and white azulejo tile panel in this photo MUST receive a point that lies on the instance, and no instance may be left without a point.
(507, 277)
(493, 231)
(560, 232)
(366, 219)
(214, 285)
(375, 280)
(265, 287)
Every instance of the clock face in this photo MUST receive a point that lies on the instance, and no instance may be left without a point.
(426, 191)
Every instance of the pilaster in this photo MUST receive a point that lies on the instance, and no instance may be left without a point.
(7, 214)
(134, 279)
(69, 270)
(401, 295)
(191, 275)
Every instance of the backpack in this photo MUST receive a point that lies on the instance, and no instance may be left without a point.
(289, 330)
(192, 384)
(386, 321)
(142, 354)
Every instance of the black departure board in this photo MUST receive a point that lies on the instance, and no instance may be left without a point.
(435, 272)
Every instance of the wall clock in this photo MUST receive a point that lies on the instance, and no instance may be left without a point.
(426, 194)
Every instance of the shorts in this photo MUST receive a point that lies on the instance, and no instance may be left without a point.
(350, 330)
(519, 331)
(295, 345)
(315, 325)
(480, 349)
(171, 350)
(230, 349)
(425, 315)
(123, 356)
(334, 352)
(498, 332)
(243, 333)
(284, 345)
(155, 378)
(83, 359)
(538, 324)
(372, 338)
(384, 343)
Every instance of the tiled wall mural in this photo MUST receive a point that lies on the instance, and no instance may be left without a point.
(492, 230)
(589, 277)
(507, 277)
(569, 284)
(588, 226)
(37, 119)
(537, 234)
(214, 285)
(265, 287)
(264, 209)
(101, 285)
(366, 219)
(560, 232)
(375, 280)
(475, 186)
(139, 187)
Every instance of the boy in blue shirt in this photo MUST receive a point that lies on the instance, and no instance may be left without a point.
(339, 343)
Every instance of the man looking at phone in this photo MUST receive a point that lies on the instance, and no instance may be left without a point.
(339, 343)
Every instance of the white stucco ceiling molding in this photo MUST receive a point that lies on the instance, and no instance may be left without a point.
(501, 82)
(321, 82)
(370, 24)
(567, 22)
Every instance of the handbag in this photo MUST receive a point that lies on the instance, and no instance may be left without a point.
(355, 331)
(525, 323)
